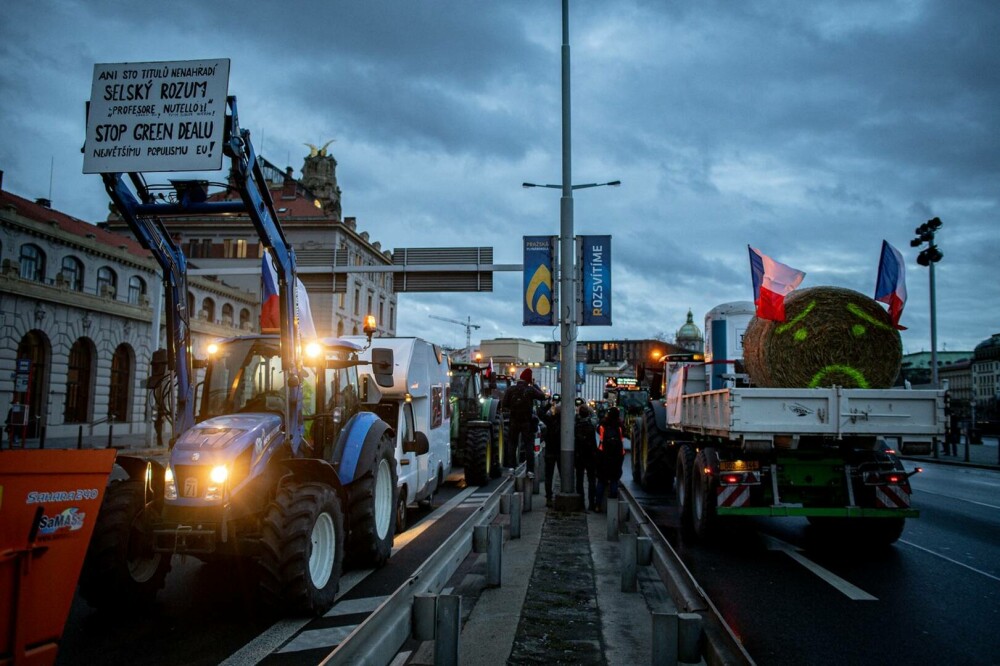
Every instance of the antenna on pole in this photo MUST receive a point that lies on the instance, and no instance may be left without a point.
(467, 324)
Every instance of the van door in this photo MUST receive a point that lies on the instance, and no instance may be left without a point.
(419, 470)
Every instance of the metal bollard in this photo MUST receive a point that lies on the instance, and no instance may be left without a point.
(494, 552)
(689, 637)
(623, 513)
(665, 641)
(517, 499)
(630, 568)
(519, 484)
(529, 490)
(424, 616)
(449, 629)
(505, 503)
(537, 481)
(644, 551)
(612, 511)
(480, 537)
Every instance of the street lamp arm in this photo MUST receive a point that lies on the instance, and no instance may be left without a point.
(613, 183)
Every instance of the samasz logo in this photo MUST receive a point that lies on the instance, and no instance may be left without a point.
(70, 520)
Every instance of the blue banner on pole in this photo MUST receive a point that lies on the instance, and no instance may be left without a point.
(539, 300)
(595, 280)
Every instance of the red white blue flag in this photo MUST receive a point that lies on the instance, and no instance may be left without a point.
(890, 288)
(772, 281)
(270, 308)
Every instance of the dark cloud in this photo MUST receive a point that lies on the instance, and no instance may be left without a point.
(809, 130)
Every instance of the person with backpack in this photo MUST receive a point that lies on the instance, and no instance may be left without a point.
(610, 456)
(519, 401)
(585, 455)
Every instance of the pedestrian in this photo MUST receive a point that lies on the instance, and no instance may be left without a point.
(585, 455)
(519, 401)
(551, 420)
(610, 456)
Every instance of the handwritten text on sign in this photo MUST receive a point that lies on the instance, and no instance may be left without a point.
(157, 116)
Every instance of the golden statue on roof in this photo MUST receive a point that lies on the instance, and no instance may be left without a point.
(319, 152)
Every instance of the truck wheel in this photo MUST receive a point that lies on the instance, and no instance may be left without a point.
(372, 509)
(302, 551)
(121, 567)
(401, 512)
(682, 486)
(478, 457)
(703, 497)
(656, 470)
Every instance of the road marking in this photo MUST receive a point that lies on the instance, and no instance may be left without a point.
(958, 499)
(276, 635)
(945, 557)
(850, 591)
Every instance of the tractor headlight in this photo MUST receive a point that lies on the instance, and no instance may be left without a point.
(313, 349)
(169, 487)
(219, 474)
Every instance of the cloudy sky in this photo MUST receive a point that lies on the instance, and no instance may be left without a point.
(812, 131)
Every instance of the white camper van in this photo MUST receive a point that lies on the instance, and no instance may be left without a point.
(416, 406)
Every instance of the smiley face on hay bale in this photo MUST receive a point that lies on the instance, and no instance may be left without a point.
(831, 337)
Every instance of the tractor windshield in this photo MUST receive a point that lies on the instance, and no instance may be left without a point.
(336, 399)
(244, 376)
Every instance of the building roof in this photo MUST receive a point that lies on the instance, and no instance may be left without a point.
(69, 224)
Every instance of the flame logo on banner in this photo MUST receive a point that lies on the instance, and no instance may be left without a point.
(538, 296)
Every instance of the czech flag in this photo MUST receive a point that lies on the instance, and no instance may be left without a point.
(891, 285)
(307, 328)
(772, 281)
(270, 315)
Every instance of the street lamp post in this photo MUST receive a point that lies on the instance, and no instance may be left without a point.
(567, 260)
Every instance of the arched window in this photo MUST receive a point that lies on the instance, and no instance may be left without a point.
(36, 350)
(107, 282)
(78, 382)
(32, 263)
(208, 306)
(355, 331)
(121, 384)
(191, 312)
(227, 314)
(340, 328)
(136, 289)
(72, 273)
(244, 318)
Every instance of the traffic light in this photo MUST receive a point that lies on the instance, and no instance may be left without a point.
(925, 234)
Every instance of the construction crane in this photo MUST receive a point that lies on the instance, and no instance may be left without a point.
(467, 324)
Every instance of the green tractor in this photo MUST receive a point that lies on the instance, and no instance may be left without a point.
(478, 426)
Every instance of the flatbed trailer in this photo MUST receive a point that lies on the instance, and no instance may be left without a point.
(818, 453)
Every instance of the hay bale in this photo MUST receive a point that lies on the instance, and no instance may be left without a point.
(831, 337)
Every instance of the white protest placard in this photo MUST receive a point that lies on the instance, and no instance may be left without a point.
(157, 116)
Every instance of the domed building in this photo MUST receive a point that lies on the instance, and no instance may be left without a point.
(689, 335)
(986, 377)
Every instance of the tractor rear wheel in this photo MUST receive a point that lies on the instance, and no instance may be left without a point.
(372, 509)
(122, 568)
(478, 456)
(302, 549)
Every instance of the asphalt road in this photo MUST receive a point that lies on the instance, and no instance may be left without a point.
(207, 613)
(795, 598)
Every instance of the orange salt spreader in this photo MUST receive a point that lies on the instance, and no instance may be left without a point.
(49, 502)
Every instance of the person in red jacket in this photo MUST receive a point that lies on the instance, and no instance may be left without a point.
(610, 456)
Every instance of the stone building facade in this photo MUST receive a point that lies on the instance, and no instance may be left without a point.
(78, 306)
(345, 272)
